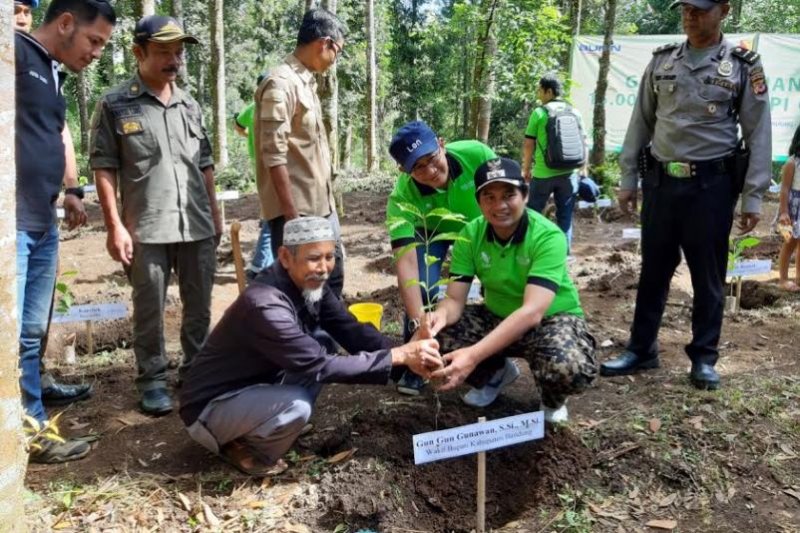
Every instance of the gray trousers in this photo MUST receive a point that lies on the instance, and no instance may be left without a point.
(265, 418)
(149, 274)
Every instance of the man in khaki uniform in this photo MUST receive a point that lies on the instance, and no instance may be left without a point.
(148, 141)
(293, 161)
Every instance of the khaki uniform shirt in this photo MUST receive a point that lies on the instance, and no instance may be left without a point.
(289, 131)
(158, 152)
(690, 112)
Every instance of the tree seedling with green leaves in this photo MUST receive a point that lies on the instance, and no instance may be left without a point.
(64, 295)
(736, 248)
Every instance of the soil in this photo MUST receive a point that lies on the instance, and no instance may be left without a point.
(714, 462)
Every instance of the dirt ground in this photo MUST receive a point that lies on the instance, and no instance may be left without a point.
(641, 453)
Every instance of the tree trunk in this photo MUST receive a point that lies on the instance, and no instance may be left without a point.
(146, 7)
(347, 156)
(218, 87)
(599, 123)
(13, 459)
(372, 72)
(83, 109)
(177, 13)
(329, 95)
(481, 79)
(484, 119)
(736, 15)
(307, 4)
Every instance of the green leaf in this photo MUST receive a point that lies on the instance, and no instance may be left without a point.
(69, 273)
(410, 208)
(62, 287)
(448, 236)
(403, 250)
(413, 282)
(431, 260)
(748, 242)
(445, 214)
(395, 223)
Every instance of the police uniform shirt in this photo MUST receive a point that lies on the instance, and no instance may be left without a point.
(689, 111)
(40, 112)
(158, 152)
(290, 131)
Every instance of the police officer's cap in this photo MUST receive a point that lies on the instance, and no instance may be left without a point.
(156, 29)
(705, 5)
(500, 170)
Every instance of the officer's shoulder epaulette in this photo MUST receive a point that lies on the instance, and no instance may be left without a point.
(666, 47)
(748, 56)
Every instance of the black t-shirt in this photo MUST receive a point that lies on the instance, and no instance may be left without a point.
(41, 109)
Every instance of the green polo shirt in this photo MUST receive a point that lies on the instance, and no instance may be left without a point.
(536, 254)
(537, 130)
(245, 120)
(158, 152)
(463, 159)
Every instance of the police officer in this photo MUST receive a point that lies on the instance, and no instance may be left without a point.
(149, 142)
(691, 99)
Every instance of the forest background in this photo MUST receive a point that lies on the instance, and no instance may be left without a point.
(467, 67)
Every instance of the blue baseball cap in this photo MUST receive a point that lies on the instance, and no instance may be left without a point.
(33, 3)
(413, 141)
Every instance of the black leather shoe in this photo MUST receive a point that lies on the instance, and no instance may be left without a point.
(156, 402)
(64, 394)
(704, 377)
(627, 363)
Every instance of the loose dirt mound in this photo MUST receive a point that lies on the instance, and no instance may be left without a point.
(615, 271)
(757, 295)
(381, 488)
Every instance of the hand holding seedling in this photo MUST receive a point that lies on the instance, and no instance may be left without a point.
(458, 365)
(421, 356)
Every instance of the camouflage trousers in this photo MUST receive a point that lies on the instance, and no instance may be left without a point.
(560, 352)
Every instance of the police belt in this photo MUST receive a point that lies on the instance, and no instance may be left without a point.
(689, 170)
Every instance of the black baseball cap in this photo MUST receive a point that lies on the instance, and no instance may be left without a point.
(500, 170)
(705, 5)
(157, 29)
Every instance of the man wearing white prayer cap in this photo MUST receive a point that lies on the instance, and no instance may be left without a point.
(250, 391)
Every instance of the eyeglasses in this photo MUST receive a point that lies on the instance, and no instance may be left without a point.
(337, 48)
(426, 161)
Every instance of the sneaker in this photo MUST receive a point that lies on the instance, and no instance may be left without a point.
(59, 452)
(410, 384)
(556, 416)
(489, 392)
(156, 402)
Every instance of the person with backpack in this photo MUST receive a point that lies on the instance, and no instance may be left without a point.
(556, 145)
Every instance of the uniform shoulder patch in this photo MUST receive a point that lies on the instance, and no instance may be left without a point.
(666, 47)
(748, 56)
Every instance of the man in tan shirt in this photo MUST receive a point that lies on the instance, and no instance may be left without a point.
(293, 161)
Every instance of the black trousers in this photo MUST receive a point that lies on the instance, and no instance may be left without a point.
(694, 215)
(336, 281)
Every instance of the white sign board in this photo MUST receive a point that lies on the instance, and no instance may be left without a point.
(91, 312)
(751, 267)
(632, 233)
(474, 438)
(630, 54)
(89, 188)
(601, 202)
(227, 195)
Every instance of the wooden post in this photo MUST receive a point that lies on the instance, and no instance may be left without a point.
(481, 518)
(89, 338)
(738, 295)
(222, 211)
(238, 261)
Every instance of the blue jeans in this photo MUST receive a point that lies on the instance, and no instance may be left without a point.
(262, 255)
(37, 260)
(563, 189)
(429, 275)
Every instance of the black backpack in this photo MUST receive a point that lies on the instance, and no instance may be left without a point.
(565, 146)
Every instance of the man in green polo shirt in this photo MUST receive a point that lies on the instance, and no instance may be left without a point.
(562, 183)
(435, 175)
(531, 309)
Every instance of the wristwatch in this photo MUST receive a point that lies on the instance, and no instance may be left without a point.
(75, 191)
(413, 325)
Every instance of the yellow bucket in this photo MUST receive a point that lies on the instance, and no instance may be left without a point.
(368, 313)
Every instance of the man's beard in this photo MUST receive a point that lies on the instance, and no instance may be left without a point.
(312, 296)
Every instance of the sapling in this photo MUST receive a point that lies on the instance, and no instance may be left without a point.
(426, 227)
(735, 249)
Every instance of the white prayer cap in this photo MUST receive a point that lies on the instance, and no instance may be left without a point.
(304, 230)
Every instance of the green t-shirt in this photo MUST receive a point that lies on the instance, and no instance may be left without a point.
(464, 158)
(245, 120)
(537, 130)
(535, 254)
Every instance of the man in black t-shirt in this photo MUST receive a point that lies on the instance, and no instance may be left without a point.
(74, 32)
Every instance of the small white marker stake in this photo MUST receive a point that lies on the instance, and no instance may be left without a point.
(481, 525)
(89, 338)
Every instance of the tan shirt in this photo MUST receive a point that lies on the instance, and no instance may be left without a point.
(289, 131)
(158, 152)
